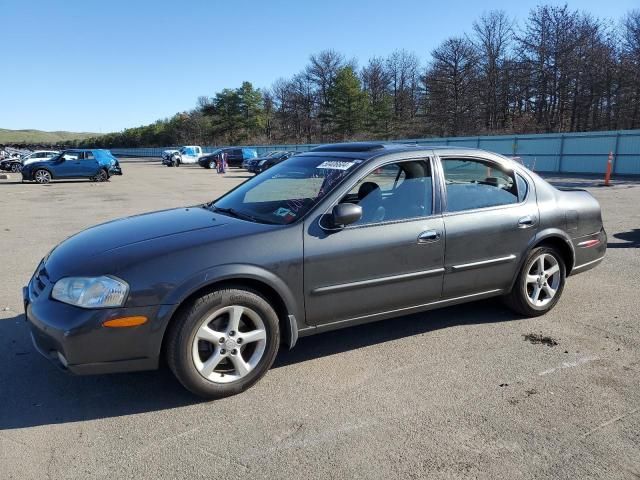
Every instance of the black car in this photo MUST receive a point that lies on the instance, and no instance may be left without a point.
(341, 235)
(267, 163)
(11, 164)
(235, 157)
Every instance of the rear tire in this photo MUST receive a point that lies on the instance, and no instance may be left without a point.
(102, 176)
(539, 284)
(223, 343)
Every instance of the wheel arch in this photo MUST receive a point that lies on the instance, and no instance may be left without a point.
(277, 295)
(44, 167)
(554, 238)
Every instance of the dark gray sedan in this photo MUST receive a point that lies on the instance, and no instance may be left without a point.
(342, 235)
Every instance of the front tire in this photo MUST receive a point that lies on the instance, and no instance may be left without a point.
(223, 343)
(539, 284)
(42, 176)
(16, 168)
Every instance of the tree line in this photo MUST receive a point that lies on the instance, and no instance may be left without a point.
(560, 70)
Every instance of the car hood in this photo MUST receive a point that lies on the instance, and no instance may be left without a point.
(102, 244)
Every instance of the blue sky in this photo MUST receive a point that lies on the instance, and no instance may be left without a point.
(100, 66)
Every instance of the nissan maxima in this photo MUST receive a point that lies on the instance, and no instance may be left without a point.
(342, 235)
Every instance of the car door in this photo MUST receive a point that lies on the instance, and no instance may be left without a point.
(490, 216)
(88, 165)
(67, 165)
(388, 261)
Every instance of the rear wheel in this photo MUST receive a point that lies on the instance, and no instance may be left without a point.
(540, 283)
(102, 176)
(42, 176)
(212, 164)
(224, 343)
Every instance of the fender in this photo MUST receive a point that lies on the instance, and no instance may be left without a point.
(232, 272)
(540, 236)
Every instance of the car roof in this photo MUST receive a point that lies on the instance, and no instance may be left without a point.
(370, 150)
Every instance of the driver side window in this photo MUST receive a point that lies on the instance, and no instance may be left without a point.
(393, 192)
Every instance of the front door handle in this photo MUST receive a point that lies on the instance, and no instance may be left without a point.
(526, 222)
(429, 236)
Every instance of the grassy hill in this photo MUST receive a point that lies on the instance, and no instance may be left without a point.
(39, 136)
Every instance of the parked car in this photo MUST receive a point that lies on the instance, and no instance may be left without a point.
(267, 163)
(338, 236)
(38, 156)
(15, 163)
(189, 154)
(252, 161)
(235, 156)
(167, 154)
(94, 164)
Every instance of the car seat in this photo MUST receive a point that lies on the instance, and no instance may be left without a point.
(370, 199)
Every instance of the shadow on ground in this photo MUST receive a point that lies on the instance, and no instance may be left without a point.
(34, 392)
(630, 239)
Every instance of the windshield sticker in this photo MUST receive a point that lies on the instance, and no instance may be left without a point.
(335, 165)
(283, 212)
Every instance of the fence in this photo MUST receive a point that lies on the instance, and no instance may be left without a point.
(553, 152)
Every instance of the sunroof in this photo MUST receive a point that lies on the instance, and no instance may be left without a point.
(348, 147)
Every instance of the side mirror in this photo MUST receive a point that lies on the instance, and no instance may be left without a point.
(345, 214)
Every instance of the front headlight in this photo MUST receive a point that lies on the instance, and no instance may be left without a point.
(91, 292)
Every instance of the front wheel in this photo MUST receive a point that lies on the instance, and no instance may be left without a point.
(16, 167)
(224, 343)
(42, 176)
(539, 284)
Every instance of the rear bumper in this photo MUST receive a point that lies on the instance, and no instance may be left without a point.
(75, 340)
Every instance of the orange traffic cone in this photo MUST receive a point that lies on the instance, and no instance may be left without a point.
(607, 175)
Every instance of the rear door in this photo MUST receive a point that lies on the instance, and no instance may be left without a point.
(88, 164)
(490, 216)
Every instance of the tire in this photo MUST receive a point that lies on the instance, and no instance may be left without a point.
(211, 165)
(102, 176)
(42, 176)
(16, 167)
(177, 162)
(531, 294)
(227, 361)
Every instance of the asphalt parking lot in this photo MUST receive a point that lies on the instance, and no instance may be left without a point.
(471, 391)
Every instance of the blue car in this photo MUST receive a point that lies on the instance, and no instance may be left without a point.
(94, 164)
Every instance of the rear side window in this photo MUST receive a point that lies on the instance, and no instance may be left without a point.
(474, 183)
(89, 156)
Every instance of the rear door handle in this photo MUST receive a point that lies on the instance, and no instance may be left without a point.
(429, 236)
(526, 222)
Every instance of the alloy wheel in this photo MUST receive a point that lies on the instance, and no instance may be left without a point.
(229, 344)
(42, 176)
(543, 280)
(15, 168)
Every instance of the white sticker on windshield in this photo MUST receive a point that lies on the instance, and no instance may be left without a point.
(335, 165)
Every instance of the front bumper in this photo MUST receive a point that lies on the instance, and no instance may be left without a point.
(115, 170)
(74, 338)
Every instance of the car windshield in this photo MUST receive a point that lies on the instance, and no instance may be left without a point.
(286, 192)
